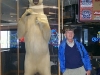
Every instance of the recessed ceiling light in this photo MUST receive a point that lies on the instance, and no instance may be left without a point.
(9, 20)
(54, 7)
(52, 13)
(1, 25)
(48, 15)
(11, 16)
(24, 7)
(51, 18)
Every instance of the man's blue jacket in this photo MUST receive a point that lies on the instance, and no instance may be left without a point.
(82, 50)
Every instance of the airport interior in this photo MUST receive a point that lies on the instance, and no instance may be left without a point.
(83, 15)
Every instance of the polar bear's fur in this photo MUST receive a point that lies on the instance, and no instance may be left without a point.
(34, 27)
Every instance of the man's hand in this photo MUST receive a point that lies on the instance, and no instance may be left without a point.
(88, 72)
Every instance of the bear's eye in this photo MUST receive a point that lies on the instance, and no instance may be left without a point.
(35, 2)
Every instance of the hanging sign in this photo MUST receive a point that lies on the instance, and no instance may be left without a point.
(89, 10)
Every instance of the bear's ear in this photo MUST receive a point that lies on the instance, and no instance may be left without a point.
(32, 3)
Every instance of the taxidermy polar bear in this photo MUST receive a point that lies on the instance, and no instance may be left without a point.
(34, 27)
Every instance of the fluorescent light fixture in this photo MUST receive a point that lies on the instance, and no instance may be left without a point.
(48, 15)
(54, 7)
(51, 18)
(1, 25)
(52, 13)
(9, 20)
(24, 7)
(11, 16)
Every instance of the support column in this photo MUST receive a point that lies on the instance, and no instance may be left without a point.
(59, 38)
(18, 39)
(0, 40)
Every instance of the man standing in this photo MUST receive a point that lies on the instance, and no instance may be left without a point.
(73, 57)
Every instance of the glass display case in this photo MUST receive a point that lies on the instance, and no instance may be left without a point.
(12, 49)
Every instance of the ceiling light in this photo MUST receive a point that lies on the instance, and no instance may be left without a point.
(51, 13)
(45, 6)
(54, 7)
(48, 15)
(24, 7)
(9, 20)
(51, 18)
(1, 25)
(11, 16)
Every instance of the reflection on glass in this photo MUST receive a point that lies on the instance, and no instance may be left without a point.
(13, 39)
(5, 39)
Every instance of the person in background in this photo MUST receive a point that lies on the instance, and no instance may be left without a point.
(73, 57)
(94, 64)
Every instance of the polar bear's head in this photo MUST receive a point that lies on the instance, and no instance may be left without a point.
(35, 2)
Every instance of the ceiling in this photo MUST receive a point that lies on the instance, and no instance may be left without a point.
(9, 10)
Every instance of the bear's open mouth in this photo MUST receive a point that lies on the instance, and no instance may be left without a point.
(35, 2)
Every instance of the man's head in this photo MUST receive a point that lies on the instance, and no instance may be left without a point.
(69, 33)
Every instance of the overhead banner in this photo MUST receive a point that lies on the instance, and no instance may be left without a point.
(89, 10)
